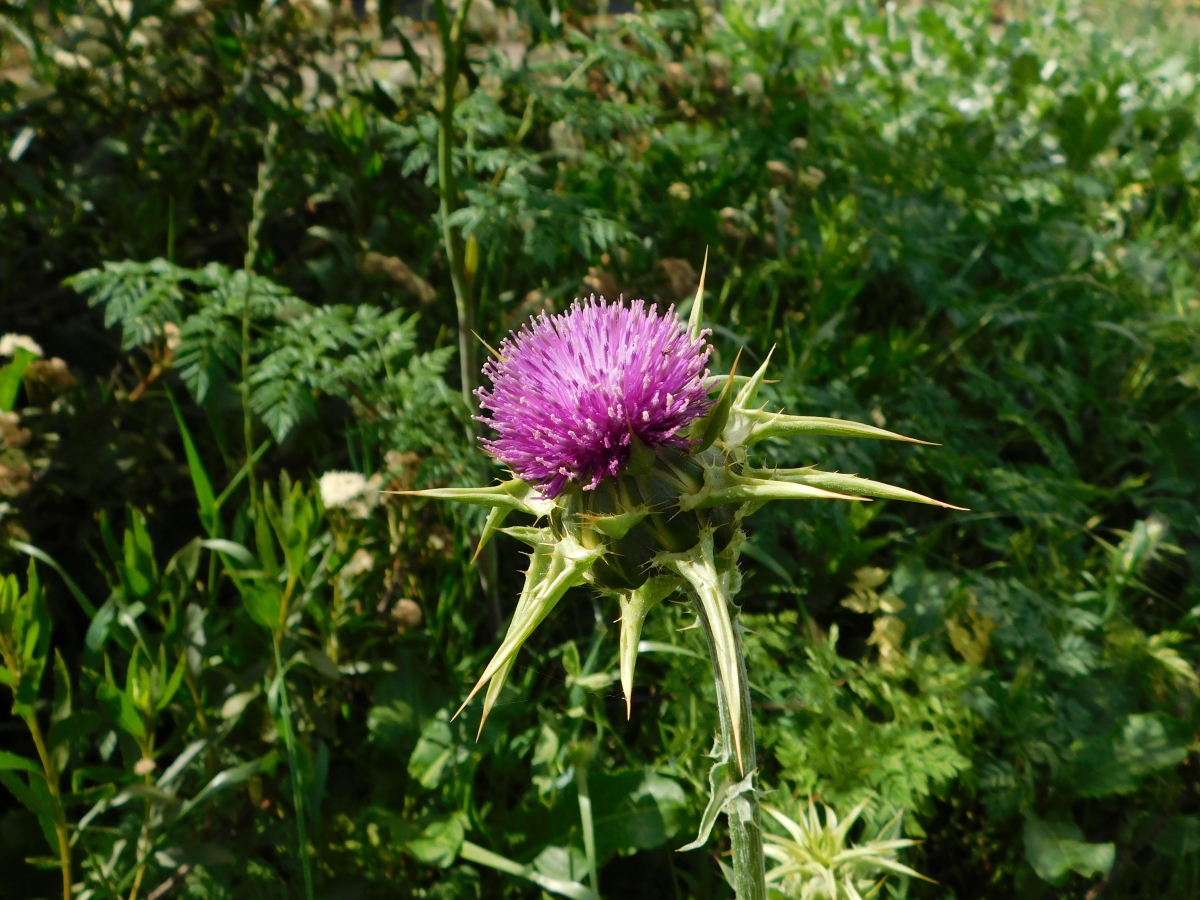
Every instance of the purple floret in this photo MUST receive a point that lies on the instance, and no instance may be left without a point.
(568, 389)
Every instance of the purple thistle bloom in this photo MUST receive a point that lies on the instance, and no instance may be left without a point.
(567, 390)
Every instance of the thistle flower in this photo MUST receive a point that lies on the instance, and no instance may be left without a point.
(634, 465)
(571, 391)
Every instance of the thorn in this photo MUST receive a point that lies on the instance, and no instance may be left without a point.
(733, 370)
(492, 350)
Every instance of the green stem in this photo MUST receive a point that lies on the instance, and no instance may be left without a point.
(60, 818)
(743, 812)
(452, 36)
(589, 829)
(257, 213)
(289, 742)
(710, 578)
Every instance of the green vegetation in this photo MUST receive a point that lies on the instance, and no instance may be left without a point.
(248, 245)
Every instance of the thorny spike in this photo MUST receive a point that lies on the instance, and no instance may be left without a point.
(539, 564)
(851, 484)
(758, 425)
(495, 519)
(527, 534)
(514, 494)
(696, 319)
(616, 526)
(634, 607)
(723, 487)
(749, 391)
(495, 686)
(552, 571)
(490, 349)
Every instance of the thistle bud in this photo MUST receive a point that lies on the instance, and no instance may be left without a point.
(635, 517)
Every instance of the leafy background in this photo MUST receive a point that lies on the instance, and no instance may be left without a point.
(974, 223)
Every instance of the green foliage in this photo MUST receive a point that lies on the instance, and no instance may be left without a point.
(950, 221)
(298, 352)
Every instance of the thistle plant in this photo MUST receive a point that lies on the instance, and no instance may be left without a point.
(634, 463)
(818, 862)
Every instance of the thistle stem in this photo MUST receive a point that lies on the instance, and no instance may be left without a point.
(742, 811)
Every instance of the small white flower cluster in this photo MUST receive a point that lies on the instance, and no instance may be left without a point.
(350, 491)
(11, 343)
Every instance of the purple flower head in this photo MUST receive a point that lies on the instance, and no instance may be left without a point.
(568, 389)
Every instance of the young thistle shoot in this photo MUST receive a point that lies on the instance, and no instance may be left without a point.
(633, 462)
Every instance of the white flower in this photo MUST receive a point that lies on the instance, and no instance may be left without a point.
(10, 343)
(339, 488)
(349, 491)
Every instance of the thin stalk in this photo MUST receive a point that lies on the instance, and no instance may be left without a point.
(466, 304)
(453, 35)
(257, 213)
(171, 229)
(743, 811)
(144, 843)
(289, 742)
(137, 879)
(589, 828)
(60, 820)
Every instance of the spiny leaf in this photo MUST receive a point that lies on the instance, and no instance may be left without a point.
(514, 495)
(849, 484)
(720, 779)
(723, 487)
(554, 568)
(747, 427)
(698, 568)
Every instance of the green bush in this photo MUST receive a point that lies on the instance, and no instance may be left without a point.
(229, 229)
